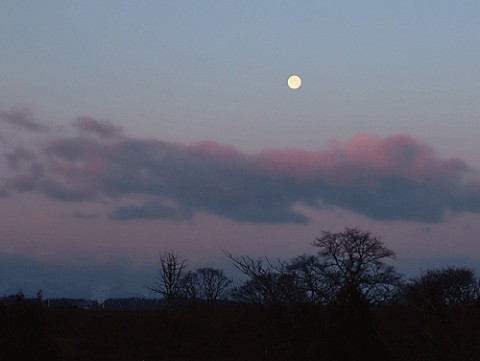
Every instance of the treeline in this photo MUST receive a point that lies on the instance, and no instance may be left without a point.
(350, 265)
(345, 302)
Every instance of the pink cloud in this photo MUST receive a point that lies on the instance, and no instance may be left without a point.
(397, 177)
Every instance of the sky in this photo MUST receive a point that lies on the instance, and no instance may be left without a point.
(131, 128)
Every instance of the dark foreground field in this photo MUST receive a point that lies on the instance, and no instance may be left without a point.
(395, 332)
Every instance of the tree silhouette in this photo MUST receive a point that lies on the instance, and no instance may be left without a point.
(354, 259)
(353, 262)
(267, 283)
(436, 290)
(310, 278)
(445, 303)
(214, 285)
(208, 284)
(39, 296)
(169, 281)
(190, 288)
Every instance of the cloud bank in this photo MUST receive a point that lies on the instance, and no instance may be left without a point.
(392, 178)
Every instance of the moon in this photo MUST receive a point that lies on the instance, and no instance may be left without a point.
(294, 82)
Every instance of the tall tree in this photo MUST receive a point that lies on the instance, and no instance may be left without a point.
(354, 263)
(354, 260)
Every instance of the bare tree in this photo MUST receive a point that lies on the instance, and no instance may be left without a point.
(214, 285)
(169, 281)
(436, 290)
(267, 283)
(310, 277)
(354, 260)
(190, 286)
(208, 284)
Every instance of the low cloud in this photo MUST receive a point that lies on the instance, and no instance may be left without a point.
(392, 178)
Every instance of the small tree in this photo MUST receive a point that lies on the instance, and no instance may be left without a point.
(190, 286)
(267, 284)
(214, 285)
(445, 301)
(447, 287)
(39, 296)
(169, 281)
(19, 297)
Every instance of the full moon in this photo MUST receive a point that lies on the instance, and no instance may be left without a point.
(294, 82)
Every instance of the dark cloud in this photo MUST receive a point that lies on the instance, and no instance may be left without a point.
(35, 178)
(395, 178)
(149, 210)
(19, 155)
(102, 128)
(61, 192)
(27, 180)
(73, 149)
(22, 118)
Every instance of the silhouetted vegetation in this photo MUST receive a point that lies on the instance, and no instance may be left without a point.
(343, 303)
(23, 335)
(170, 275)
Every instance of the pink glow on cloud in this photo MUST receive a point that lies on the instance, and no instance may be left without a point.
(363, 156)
(216, 150)
(392, 178)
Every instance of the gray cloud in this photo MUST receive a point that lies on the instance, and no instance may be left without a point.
(394, 178)
(60, 191)
(149, 210)
(102, 128)
(27, 180)
(19, 155)
(22, 118)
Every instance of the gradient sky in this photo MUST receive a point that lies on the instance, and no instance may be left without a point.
(129, 128)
